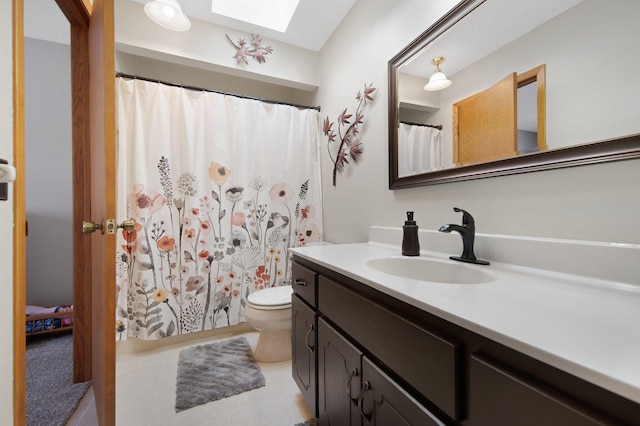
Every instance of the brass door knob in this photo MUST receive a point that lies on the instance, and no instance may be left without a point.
(128, 225)
(107, 226)
(88, 227)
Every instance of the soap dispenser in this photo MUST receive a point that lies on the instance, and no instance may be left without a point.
(410, 243)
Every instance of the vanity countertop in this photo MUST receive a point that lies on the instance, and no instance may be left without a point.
(587, 327)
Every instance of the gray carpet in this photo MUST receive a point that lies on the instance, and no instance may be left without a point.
(218, 370)
(52, 396)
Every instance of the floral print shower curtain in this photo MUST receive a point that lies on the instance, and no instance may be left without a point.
(219, 187)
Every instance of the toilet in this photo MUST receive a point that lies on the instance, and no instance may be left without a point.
(269, 311)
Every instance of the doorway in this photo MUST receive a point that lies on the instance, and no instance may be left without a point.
(48, 182)
(48, 172)
(93, 128)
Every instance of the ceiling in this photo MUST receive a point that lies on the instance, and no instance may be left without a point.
(311, 26)
(491, 26)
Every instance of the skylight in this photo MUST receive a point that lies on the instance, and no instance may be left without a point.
(273, 14)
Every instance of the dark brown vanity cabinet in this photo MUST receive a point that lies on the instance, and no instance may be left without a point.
(350, 388)
(381, 361)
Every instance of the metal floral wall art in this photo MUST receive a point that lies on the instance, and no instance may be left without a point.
(350, 144)
(254, 49)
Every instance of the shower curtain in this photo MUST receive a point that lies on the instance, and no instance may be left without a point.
(219, 187)
(419, 149)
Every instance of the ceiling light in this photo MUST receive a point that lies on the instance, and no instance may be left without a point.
(167, 14)
(438, 80)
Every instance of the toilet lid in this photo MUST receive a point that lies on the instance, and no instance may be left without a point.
(271, 297)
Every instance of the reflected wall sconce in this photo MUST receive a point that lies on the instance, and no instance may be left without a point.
(438, 80)
(168, 14)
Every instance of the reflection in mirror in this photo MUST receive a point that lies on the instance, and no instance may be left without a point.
(527, 119)
(419, 148)
(560, 115)
(501, 121)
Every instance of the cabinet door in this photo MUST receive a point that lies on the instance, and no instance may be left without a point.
(303, 346)
(339, 376)
(499, 396)
(382, 402)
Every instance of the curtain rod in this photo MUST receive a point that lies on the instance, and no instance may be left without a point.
(200, 89)
(439, 126)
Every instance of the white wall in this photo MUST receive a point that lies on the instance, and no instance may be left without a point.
(6, 217)
(197, 77)
(205, 46)
(585, 203)
(48, 173)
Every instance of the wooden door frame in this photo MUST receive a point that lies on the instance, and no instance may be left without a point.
(19, 218)
(538, 75)
(78, 14)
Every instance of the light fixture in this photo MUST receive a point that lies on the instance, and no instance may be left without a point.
(167, 14)
(438, 80)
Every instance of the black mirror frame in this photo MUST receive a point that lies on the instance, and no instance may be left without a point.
(623, 148)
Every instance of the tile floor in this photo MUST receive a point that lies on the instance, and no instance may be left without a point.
(145, 393)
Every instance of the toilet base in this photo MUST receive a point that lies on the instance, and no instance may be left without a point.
(273, 346)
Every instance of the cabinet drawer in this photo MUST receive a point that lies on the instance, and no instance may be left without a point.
(498, 396)
(426, 361)
(304, 283)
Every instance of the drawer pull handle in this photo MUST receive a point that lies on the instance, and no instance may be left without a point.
(301, 282)
(365, 389)
(306, 338)
(354, 374)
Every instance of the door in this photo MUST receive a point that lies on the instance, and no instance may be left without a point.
(93, 111)
(102, 163)
(79, 18)
(485, 124)
(94, 174)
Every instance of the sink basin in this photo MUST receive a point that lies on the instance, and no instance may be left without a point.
(431, 270)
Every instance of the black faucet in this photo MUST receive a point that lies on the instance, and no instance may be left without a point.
(468, 233)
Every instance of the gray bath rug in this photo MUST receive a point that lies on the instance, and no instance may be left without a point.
(218, 370)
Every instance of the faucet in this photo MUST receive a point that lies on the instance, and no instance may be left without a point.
(468, 233)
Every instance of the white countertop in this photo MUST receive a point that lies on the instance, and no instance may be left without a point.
(584, 326)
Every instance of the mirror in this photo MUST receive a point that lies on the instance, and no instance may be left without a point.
(589, 109)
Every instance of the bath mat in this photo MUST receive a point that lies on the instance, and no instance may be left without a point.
(218, 370)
